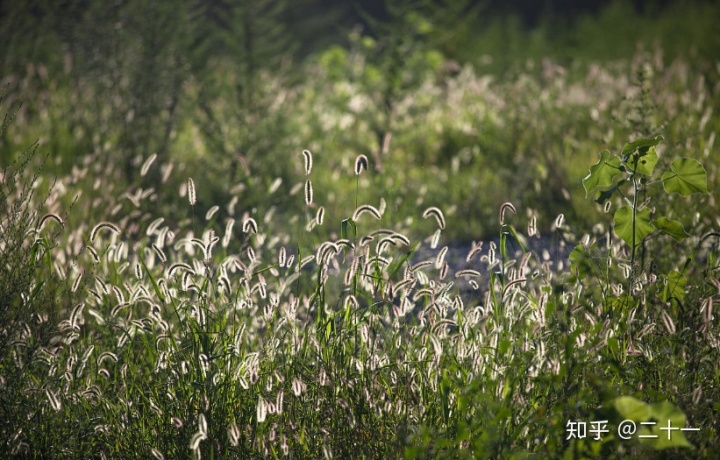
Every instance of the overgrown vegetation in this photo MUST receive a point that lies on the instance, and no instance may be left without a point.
(394, 252)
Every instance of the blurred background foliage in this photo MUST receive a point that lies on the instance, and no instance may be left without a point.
(459, 104)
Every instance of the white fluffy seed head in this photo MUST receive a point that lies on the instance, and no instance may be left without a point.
(179, 266)
(112, 227)
(668, 322)
(250, 225)
(308, 161)
(437, 214)
(399, 237)
(476, 248)
(147, 164)
(261, 410)
(383, 206)
(696, 395)
(228, 232)
(308, 192)
(361, 164)
(275, 185)
(366, 208)
(532, 226)
(279, 398)
(50, 216)
(507, 206)
(192, 197)
(282, 256)
(441, 257)
(76, 284)
(435, 239)
(211, 212)
(154, 225)
(76, 315)
(93, 253)
(196, 440)
(159, 253)
(118, 294)
(298, 386)
(202, 424)
(234, 434)
(707, 310)
(54, 400)
(468, 272)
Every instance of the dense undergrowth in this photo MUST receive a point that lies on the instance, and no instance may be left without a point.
(264, 270)
(138, 338)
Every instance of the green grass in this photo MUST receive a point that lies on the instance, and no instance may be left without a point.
(185, 341)
(177, 332)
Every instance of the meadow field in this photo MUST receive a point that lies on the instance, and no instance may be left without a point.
(387, 249)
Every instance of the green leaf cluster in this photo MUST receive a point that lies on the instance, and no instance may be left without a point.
(654, 422)
(628, 174)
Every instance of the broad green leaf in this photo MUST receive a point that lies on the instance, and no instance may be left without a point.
(671, 227)
(603, 173)
(621, 302)
(630, 408)
(674, 286)
(669, 422)
(658, 425)
(605, 195)
(644, 163)
(624, 225)
(641, 144)
(578, 260)
(686, 176)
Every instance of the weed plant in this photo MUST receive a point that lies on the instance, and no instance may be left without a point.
(189, 340)
(299, 298)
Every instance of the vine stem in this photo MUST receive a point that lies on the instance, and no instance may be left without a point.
(631, 278)
(634, 220)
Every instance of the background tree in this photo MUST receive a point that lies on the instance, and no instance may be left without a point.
(251, 54)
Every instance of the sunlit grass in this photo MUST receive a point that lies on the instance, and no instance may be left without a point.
(311, 306)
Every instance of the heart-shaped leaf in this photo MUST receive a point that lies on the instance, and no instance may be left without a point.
(602, 174)
(624, 225)
(686, 176)
(644, 163)
(671, 227)
(640, 144)
(674, 286)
